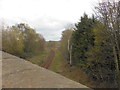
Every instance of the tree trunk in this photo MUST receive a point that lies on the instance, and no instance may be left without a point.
(117, 66)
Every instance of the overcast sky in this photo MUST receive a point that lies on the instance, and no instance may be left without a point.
(48, 17)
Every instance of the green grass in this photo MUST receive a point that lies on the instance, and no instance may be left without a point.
(39, 59)
(74, 73)
(62, 67)
(56, 62)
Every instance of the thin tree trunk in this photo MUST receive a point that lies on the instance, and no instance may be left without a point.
(117, 66)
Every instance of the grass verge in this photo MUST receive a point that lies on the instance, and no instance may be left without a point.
(39, 59)
(56, 62)
(74, 73)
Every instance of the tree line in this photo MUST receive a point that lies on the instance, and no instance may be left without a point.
(22, 41)
(94, 44)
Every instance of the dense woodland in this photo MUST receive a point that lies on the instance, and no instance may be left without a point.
(92, 45)
(23, 41)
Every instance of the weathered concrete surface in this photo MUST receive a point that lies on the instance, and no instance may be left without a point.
(18, 73)
(0, 70)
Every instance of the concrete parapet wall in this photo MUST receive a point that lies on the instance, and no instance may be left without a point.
(19, 73)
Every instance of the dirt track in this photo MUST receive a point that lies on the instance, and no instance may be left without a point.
(49, 59)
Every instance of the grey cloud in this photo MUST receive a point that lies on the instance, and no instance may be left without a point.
(50, 28)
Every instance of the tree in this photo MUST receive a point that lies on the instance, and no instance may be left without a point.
(23, 41)
(109, 14)
(33, 42)
(100, 60)
(82, 39)
(12, 41)
(66, 36)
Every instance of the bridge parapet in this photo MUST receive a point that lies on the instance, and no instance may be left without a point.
(19, 73)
